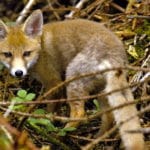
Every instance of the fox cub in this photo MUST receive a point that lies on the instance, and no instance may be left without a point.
(73, 47)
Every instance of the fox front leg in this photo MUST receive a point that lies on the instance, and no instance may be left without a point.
(77, 111)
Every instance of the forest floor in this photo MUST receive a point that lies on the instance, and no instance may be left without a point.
(27, 126)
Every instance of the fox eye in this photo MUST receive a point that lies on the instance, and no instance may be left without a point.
(26, 53)
(7, 54)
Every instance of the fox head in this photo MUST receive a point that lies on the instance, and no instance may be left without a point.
(20, 44)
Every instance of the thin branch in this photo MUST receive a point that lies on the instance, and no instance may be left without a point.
(129, 7)
(143, 130)
(61, 9)
(88, 139)
(92, 6)
(37, 102)
(118, 107)
(138, 76)
(25, 11)
(48, 93)
(90, 74)
(13, 131)
(138, 16)
(117, 7)
(78, 6)
(101, 138)
(108, 133)
(10, 108)
(54, 12)
(68, 119)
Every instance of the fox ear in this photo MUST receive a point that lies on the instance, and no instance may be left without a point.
(3, 30)
(34, 24)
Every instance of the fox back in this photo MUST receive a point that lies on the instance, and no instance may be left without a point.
(61, 50)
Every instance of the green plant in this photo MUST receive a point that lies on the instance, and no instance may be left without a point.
(22, 96)
(1, 67)
(96, 103)
(42, 124)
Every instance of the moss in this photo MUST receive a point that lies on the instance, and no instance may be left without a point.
(144, 28)
(140, 51)
(131, 73)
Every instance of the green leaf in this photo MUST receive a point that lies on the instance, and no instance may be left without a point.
(19, 107)
(22, 93)
(62, 132)
(32, 122)
(69, 129)
(51, 127)
(1, 66)
(45, 123)
(42, 123)
(96, 103)
(132, 51)
(39, 111)
(30, 96)
(17, 99)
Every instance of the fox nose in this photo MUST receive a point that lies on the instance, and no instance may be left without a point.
(19, 73)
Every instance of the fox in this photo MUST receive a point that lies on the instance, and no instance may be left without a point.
(58, 51)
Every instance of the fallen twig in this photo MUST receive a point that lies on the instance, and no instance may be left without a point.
(25, 11)
(78, 6)
(105, 135)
